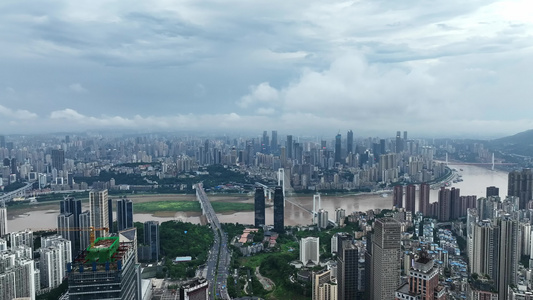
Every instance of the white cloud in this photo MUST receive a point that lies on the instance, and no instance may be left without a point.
(260, 94)
(16, 114)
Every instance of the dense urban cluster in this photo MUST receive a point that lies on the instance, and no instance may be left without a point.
(457, 247)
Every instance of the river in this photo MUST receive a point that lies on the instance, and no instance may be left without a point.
(475, 181)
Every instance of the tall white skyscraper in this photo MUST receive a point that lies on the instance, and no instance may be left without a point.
(55, 254)
(3, 220)
(99, 211)
(21, 238)
(322, 218)
(309, 250)
(18, 277)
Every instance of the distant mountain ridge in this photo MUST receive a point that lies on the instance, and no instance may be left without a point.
(522, 138)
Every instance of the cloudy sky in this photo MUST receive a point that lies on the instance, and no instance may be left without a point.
(434, 68)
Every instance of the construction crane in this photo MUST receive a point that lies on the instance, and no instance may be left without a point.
(91, 230)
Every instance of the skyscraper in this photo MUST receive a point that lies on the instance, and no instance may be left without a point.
(84, 221)
(124, 214)
(520, 184)
(385, 272)
(508, 258)
(58, 159)
(455, 203)
(410, 201)
(423, 280)
(423, 200)
(322, 218)
(65, 227)
(3, 219)
(321, 288)
(397, 196)
(274, 142)
(399, 142)
(279, 214)
(338, 140)
(110, 214)
(444, 205)
(289, 146)
(347, 271)
(99, 211)
(71, 205)
(117, 277)
(68, 218)
(265, 144)
(309, 250)
(55, 254)
(151, 238)
(495, 251)
(259, 203)
(492, 191)
(349, 142)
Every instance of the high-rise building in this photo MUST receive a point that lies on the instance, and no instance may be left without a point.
(338, 141)
(68, 218)
(349, 142)
(3, 220)
(151, 239)
(110, 214)
(58, 159)
(322, 218)
(410, 195)
(495, 252)
(265, 143)
(66, 228)
(347, 271)
(2, 141)
(423, 200)
(520, 184)
(17, 279)
(55, 254)
(423, 281)
(289, 147)
(322, 287)
(397, 196)
(340, 215)
(309, 250)
(99, 211)
(508, 255)
(399, 142)
(455, 203)
(21, 238)
(382, 147)
(84, 221)
(124, 214)
(279, 213)
(259, 204)
(106, 270)
(196, 289)
(444, 205)
(274, 142)
(386, 268)
(492, 191)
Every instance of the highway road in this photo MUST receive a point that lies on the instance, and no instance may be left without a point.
(219, 257)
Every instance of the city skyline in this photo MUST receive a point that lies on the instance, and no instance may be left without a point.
(442, 69)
